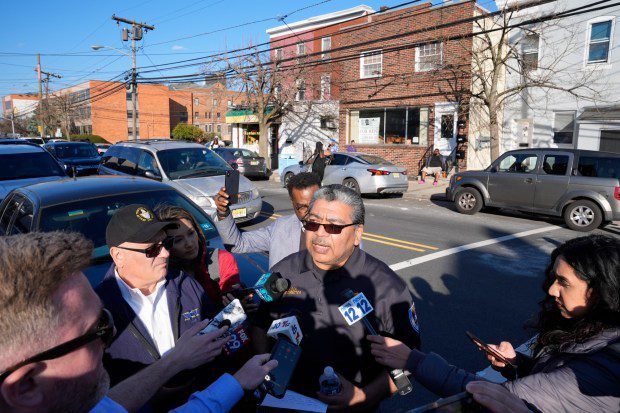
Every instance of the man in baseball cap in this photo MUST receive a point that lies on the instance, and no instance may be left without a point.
(151, 305)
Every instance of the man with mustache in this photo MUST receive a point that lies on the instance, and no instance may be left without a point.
(331, 263)
(152, 306)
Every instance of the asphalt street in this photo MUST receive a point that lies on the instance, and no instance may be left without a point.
(481, 273)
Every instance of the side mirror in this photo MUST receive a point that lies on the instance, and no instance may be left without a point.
(301, 163)
(152, 175)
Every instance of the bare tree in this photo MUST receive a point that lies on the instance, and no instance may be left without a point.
(269, 84)
(509, 42)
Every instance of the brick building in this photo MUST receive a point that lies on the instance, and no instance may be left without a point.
(403, 85)
(104, 109)
(19, 105)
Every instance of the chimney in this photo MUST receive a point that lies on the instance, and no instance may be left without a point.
(383, 8)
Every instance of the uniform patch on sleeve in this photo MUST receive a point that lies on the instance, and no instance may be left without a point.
(413, 319)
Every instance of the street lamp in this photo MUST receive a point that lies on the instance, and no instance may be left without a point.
(134, 83)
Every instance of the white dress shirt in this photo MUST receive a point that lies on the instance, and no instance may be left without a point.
(152, 310)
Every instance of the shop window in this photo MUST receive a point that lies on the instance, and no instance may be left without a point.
(393, 126)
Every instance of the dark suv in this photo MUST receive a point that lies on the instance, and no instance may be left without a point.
(581, 186)
(81, 156)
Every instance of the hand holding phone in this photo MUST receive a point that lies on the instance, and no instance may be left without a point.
(489, 350)
(287, 354)
(231, 183)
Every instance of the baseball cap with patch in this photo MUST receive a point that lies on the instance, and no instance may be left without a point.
(134, 223)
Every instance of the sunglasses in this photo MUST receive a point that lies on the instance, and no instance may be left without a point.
(103, 331)
(333, 229)
(154, 250)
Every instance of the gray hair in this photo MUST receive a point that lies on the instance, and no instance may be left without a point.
(347, 196)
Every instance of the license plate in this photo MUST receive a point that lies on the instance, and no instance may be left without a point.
(253, 162)
(396, 175)
(355, 309)
(239, 213)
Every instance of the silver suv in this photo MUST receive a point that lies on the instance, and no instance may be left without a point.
(581, 186)
(188, 167)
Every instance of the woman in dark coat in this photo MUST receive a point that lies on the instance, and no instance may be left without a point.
(318, 160)
(575, 366)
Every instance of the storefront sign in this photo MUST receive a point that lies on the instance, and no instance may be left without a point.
(369, 130)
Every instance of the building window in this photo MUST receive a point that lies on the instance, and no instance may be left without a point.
(218, 115)
(301, 90)
(387, 126)
(183, 116)
(277, 91)
(529, 47)
(428, 57)
(563, 127)
(130, 114)
(229, 103)
(328, 122)
(196, 101)
(219, 128)
(7, 105)
(599, 41)
(371, 64)
(278, 54)
(326, 89)
(326, 46)
(130, 131)
(207, 115)
(196, 115)
(215, 102)
(301, 49)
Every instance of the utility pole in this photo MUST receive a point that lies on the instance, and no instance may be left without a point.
(47, 89)
(136, 34)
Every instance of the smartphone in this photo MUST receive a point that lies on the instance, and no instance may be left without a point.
(459, 403)
(231, 183)
(485, 347)
(278, 379)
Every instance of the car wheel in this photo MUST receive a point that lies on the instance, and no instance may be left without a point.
(583, 216)
(468, 201)
(352, 184)
(287, 178)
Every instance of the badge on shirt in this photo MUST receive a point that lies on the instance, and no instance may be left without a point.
(413, 319)
(191, 315)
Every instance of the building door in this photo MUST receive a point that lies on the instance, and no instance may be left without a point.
(445, 127)
(274, 140)
(610, 141)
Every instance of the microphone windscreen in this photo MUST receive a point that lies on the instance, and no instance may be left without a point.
(282, 284)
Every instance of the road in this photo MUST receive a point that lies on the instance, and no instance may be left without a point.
(481, 273)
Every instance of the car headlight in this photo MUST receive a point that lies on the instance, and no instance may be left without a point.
(255, 193)
(203, 201)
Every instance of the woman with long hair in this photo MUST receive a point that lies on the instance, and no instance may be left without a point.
(216, 270)
(318, 160)
(575, 362)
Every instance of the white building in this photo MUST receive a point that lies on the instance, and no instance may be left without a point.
(19, 105)
(582, 52)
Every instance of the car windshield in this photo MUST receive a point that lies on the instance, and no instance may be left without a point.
(191, 163)
(28, 165)
(90, 217)
(76, 151)
(373, 160)
(244, 153)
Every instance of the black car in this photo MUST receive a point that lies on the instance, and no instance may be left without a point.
(248, 162)
(86, 205)
(79, 156)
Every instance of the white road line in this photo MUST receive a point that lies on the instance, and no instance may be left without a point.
(455, 250)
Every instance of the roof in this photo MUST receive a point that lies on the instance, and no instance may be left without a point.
(161, 144)
(65, 143)
(20, 148)
(71, 190)
(600, 113)
(321, 20)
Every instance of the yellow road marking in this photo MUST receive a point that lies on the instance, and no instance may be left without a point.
(393, 244)
(401, 241)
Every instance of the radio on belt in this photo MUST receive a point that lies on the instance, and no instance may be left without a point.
(234, 314)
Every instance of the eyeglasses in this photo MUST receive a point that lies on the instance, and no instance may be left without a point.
(154, 250)
(104, 331)
(333, 229)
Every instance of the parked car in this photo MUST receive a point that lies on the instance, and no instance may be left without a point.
(86, 205)
(81, 156)
(189, 167)
(102, 148)
(248, 162)
(34, 139)
(581, 186)
(23, 163)
(366, 174)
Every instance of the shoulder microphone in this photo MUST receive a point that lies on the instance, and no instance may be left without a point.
(398, 376)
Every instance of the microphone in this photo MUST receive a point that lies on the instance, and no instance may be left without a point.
(233, 316)
(269, 287)
(398, 376)
(287, 327)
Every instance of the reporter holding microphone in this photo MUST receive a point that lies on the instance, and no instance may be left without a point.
(576, 355)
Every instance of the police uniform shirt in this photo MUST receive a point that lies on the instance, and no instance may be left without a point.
(314, 298)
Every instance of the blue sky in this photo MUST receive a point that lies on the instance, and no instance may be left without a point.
(70, 27)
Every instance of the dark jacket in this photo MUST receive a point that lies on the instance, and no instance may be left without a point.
(133, 348)
(442, 158)
(583, 377)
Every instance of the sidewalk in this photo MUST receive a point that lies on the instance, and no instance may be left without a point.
(427, 190)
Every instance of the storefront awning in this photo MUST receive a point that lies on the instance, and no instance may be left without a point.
(241, 116)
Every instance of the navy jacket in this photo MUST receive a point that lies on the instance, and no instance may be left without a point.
(133, 348)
